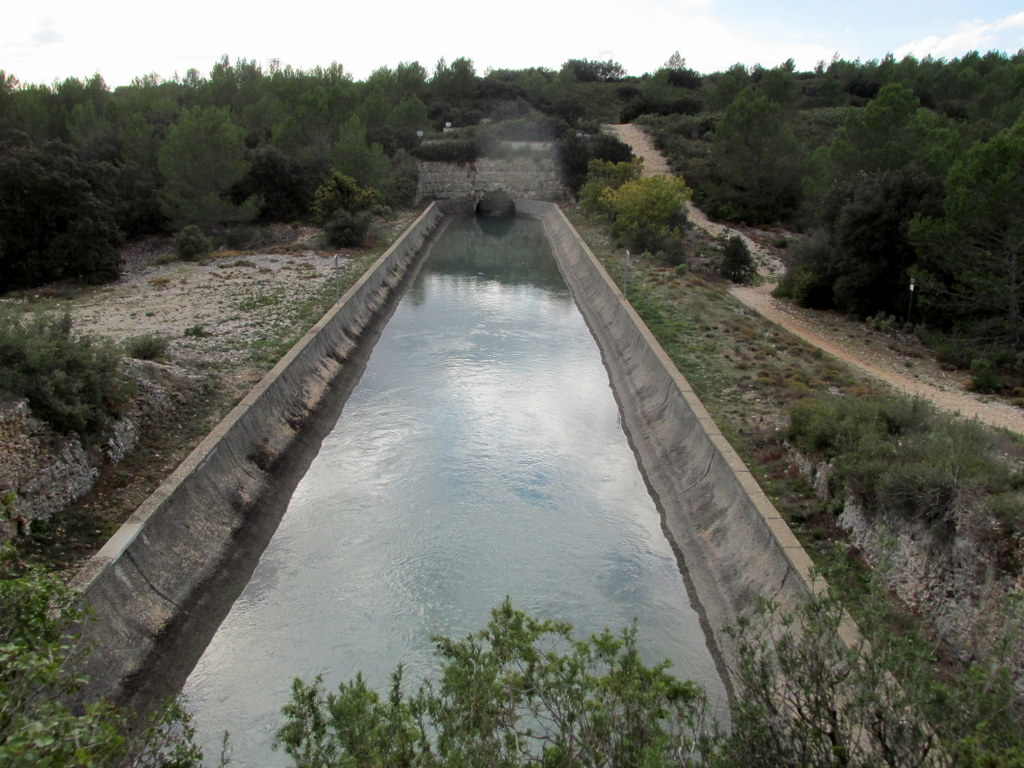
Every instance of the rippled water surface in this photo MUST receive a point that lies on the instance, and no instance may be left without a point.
(479, 457)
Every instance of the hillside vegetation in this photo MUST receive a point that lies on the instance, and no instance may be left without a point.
(895, 170)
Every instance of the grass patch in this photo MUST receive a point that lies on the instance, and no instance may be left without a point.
(258, 301)
(901, 457)
(149, 346)
(302, 314)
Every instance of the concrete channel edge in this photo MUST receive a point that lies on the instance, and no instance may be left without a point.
(156, 570)
(162, 565)
(734, 546)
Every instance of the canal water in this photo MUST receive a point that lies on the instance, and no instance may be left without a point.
(480, 456)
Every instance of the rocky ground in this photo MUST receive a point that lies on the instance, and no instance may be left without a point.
(215, 311)
(226, 319)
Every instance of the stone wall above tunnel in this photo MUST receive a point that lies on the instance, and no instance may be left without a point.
(529, 172)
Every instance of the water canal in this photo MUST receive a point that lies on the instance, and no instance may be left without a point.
(480, 456)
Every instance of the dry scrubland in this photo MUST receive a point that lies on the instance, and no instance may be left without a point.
(228, 318)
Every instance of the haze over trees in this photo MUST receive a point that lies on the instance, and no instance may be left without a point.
(872, 161)
(859, 155)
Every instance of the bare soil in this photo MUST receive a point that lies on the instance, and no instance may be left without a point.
(216, 312)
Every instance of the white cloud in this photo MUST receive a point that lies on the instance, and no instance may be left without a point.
(47, 33)
(1016, 20)
(975, 35)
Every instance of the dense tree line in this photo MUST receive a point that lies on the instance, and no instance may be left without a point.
(896, 170)
(83, 166)
(900, 173)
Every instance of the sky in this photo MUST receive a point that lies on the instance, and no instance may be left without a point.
(54, 39)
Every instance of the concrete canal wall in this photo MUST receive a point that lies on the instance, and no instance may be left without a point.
(734, 545)
(164, 581)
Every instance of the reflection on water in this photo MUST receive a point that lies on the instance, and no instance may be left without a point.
(479, 457)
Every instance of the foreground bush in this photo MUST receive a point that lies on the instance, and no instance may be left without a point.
(806, 699)
(70, 381)
(520, 692)
(37, 673)
(525, 692)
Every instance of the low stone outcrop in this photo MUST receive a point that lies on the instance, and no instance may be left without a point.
(47, 471)
(953, 583)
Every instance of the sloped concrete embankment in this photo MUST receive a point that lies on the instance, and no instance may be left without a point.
(163, 582)
(734, 545)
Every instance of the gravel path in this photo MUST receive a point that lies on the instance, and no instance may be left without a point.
(902, 363)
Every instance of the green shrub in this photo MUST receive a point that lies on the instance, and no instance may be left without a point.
(347, 229)
(70, 381)
(804, 698)
(737, 262)
(149, 346)
(655, 202)
(666, 246)
(809, 277)
(403, 181)
(520, 692)
(241, 236)
(37, 658)
(900, 456)
(883, 321)
(191, 243)
(526, 692)
(197, 331)
(954, 352)
(984, 378)
(342, 193)
(577, 150)
(603, 178)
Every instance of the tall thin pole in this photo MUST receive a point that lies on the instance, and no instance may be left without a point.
(625, 278)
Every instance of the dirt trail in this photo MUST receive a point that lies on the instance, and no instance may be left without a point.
(874, 354)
